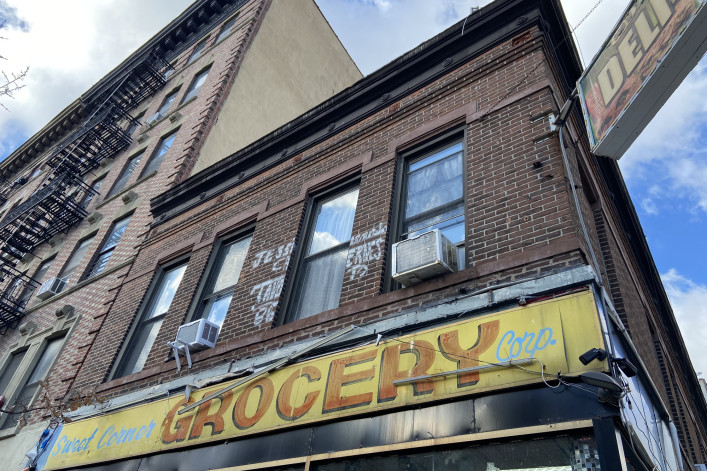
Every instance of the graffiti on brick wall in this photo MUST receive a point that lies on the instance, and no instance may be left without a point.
(278, 257)
(267, 293)
(365, 248)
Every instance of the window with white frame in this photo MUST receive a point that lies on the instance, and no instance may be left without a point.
(320, 273)
(224, 273)
(150, 319)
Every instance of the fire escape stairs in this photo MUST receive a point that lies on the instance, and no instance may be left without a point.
(58, 204)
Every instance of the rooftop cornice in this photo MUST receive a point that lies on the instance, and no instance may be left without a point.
(43, 140)
(180, 34)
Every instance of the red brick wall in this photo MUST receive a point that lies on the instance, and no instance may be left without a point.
(519, 218)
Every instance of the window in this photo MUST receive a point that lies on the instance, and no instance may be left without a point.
(38, 276)
(89, 195)
(156, 159)
(134, 124)
(196, 85)
(225, 271)
(167, 103)
(226, 28)
(196, 53)
(321, 271)
(433, 194)
(101, 260)
(125, 175)
(73, 262)
(150, 321)
(26, 394)
(10, 369)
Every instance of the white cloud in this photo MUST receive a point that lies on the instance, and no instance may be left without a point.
(68, 46)
(689, 302)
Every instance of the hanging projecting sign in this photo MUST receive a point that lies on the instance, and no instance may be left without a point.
(413, 369)
(652, 49)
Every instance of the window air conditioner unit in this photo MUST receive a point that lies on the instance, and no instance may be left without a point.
(194, 336)
(154, 118)
(51, 287)
(423, 257)
(197, 335)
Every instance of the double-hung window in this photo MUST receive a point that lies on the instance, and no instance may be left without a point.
(320, 273)
(38, 277)
(95, 187)
(26, 394)
(226, 28)
(150, 320)
(433, 194)
(196, 85)
(103, 255)
(156, 159)
(196, 53)
(125, 175)
(73, 262)
(225, 271)
(134, 124)
(167, 103)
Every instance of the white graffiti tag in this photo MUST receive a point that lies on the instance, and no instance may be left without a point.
(365, 248)
(267, 294)
(278, 257)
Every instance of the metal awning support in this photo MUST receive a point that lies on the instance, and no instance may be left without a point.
(272, 367)
(504, 364)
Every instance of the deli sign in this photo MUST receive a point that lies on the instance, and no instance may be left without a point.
(355, 382)
(651, 50)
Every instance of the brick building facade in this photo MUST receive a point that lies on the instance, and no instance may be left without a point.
(549, 341)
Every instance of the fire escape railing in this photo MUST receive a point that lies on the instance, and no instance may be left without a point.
(58, 205)
(16, 288)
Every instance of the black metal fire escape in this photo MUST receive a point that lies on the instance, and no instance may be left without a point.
(57, 205)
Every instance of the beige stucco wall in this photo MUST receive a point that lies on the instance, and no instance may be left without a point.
(295, 62)
(12, 450)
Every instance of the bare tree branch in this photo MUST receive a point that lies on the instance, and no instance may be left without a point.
(9, 84)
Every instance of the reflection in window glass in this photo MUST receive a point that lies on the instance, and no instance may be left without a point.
(197, 52)
(125, 175)
(108, 246)
(196, 85)
(73, 262)
(226, 28)
(167, 103)
(435, 196)
(39, 372)
(322, 272)
(555, 454)
(157, 157)
(150, 322)
(224, 276)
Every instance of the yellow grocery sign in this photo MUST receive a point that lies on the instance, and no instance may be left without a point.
(359, 381)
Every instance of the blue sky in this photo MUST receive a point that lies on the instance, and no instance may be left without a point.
(665, 169)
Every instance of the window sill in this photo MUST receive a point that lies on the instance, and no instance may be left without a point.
(79, 285)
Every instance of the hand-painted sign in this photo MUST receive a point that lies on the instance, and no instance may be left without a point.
(650, 51)
(359, 381)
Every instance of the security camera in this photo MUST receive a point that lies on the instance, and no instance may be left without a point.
(593, 354)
